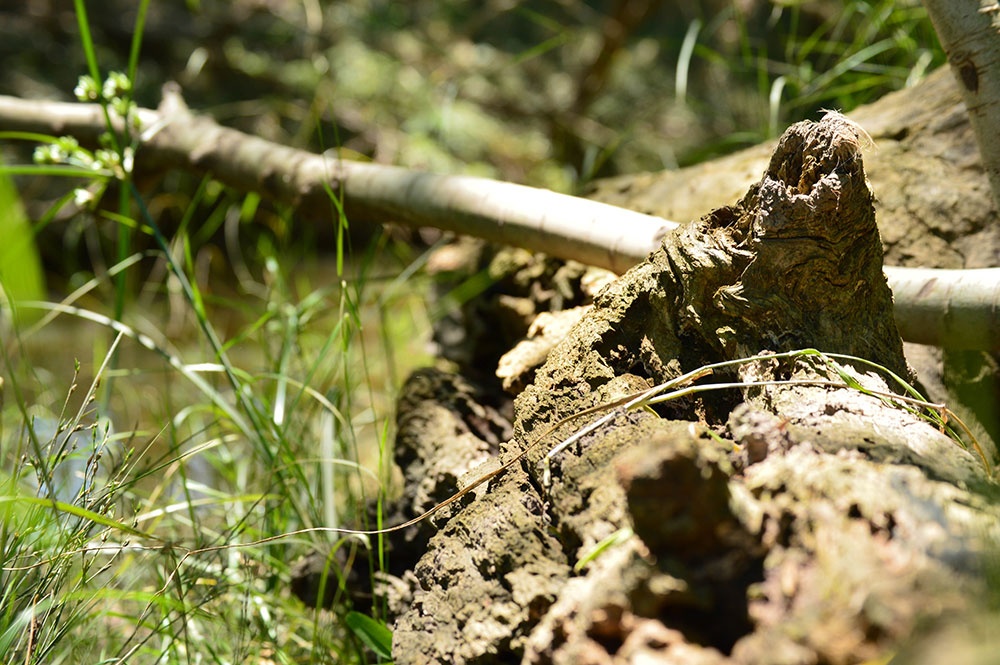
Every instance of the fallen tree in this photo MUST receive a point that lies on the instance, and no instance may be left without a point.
(797, 513)
(540, 220)
(795, 516)
(799, 516)
(934, 207)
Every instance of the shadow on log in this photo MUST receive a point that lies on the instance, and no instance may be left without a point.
(773, 524)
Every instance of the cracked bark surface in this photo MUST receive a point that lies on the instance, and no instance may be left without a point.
(934, 209)
(934, 204)
(779, 524)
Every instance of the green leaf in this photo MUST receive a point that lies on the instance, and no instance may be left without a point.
(21, 275)
(375, 634)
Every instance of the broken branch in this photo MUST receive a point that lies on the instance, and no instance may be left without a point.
(955, 308)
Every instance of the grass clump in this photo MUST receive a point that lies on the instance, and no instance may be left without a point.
(134, 514)
(126, 508)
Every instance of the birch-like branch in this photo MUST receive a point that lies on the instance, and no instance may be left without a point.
(540, 220)
(942, 307)
(969, 31)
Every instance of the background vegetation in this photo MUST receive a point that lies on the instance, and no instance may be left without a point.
(233, 379)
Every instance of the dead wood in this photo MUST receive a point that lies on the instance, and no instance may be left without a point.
(934, 209)
(560, 225)
(172, 137)
(785, 524)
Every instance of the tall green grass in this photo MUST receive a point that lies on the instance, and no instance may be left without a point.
(127, 511)
(199, 445)
(791, 60)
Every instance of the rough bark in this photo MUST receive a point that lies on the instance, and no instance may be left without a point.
(933, 199)
(785, 524)
(934, 208)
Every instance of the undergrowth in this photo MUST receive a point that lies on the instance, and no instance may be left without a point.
(187, 442)
(186, 439)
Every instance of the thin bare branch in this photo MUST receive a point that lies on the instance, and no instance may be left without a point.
(943, 307)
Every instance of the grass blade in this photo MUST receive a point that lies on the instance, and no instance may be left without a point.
(375, 634)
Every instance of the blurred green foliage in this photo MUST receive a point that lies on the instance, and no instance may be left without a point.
(21, 276)
(546, 92)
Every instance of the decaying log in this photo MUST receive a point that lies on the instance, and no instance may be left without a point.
(934, 208)
(774, 524)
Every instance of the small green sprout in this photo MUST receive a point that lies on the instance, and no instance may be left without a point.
(617, 538)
